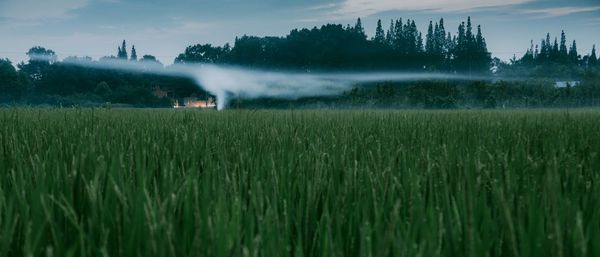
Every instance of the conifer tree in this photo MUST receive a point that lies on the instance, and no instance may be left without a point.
(543, 56)
(555, 53)
(461, 36)
(123, 51)
(469, 34)
(413, 36)
(440, 38)
(483, 57)
(436, 32)
(449, 45)
(481, 46)
(399, 36)
(546, 48)
(359, 29)
(529, 55)
(573, 55)
(390, 35)
(470, 51)
(379, 34)
(563, 45)
(133, 53)
(419, 43)
(593, 58)
(429, 40)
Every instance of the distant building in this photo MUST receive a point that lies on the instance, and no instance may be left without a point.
(563, 84)
(195, 102)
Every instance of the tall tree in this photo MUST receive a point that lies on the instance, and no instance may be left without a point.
(440, 38)
(529, 56)
(133, 53)
(483, 57)
(554, 51)
(359, 29)
(390, 34)
(412, 35)
(546, 49)
(122, 54)
(480, 41)
(461, 40)
(593, 58)
(573, 55)
(449, 45)
(379, 34)
(399, 36)
(470, 53)
(469, 34)
(429, 40)
(563, 45)
(420, 47)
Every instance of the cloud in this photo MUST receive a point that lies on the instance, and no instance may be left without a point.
(39, 10)
(362, 8)
(561, 11)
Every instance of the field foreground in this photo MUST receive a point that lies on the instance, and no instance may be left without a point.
(85, 182)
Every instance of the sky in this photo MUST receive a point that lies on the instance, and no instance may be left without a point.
(164, 28)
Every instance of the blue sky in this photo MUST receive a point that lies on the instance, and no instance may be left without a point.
(165, 27)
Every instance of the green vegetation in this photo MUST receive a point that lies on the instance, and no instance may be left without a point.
(440, 94)
(100, 182)
(44, 80)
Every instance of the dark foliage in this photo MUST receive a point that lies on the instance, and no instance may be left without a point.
(44, 80)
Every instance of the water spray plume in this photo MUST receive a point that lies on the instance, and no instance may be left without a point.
(224, 81)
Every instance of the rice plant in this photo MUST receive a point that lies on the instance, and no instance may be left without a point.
(98, 182)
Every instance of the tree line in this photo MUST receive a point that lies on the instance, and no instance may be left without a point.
(549, 58)
(334, 46)
(43, 79)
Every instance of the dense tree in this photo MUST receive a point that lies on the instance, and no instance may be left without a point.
(593, 59)
(41, 55)
(149, 58)
(573, 55)
(554, 52)
(40, 60)
(329, 47)
(335, 46)
(470, 52)
(399, 39)
(133, 53)
(379, 34)
(359, 29)
(430, 39)
(563, 45)
(440, 39)
(554, 55)
(390, 35)
(13, 84)
(122, 53)
(150, 62)
(203, 54)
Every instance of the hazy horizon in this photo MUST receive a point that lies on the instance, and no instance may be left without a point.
(96, 27)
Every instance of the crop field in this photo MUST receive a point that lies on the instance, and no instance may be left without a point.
(120, 182)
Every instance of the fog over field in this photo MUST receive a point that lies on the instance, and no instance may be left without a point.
(225, 81)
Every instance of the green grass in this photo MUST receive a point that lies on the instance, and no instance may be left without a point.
(84, 182)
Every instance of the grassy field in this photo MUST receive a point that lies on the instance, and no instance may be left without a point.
(82, 182)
